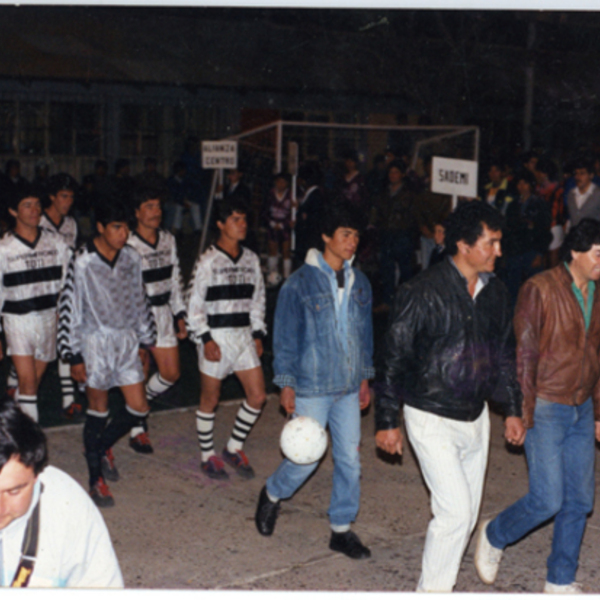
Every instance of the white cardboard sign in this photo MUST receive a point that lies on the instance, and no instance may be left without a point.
(454, 177)
(219, 155)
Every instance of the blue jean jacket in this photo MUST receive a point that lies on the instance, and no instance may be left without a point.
(322, 346)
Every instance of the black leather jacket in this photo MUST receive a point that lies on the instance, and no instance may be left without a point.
(447, 353)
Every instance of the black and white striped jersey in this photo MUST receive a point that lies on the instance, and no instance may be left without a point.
(226, 293)
(102, 295)
(160, 270)
(67, 228)
(32, 273)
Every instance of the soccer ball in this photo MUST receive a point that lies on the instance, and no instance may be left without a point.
(273, 278)
(303, 440)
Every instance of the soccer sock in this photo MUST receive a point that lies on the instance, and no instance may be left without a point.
(95, 424)
(244, 420)
(339, 528)
(205, 424)
(273, 264)
(287, 267)
(28, 405)
(121, 423)
(67, 385)
(12, 380)
(156, 386)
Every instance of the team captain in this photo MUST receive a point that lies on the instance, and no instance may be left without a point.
(33, 264)
(226, 318)
(162, 279)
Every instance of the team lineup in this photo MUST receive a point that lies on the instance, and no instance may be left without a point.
(104, 308)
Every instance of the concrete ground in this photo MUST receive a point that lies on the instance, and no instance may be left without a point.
(173, 528)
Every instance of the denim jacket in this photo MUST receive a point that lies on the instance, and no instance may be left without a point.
(323, 346)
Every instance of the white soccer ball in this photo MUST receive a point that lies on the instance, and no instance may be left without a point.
(273, 278)
(303, 440)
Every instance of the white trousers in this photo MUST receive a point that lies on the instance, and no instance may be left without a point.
(453, 458)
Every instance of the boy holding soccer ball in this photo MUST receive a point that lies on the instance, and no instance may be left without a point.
(323, 346)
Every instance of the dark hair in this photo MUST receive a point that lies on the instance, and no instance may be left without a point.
(547, 166)
(11, 162)
(310, 171)
(282, 175)
(340, 214)
(527, 177)
(225, 208)
(101, 163)
(467, 221)
(582, 162)
(20, 192)
(397, 164)
(145, 193)
(121, 163)
(21, 437)
(350, 154)
(112, 210)
(580, 239)
(177, 166)
(61, 181)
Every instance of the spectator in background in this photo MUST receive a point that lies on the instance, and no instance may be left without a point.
(150, 177)
(122, 182)
(496, 192)
(553, 193)
(353, 189)
(396, 221)
(526, 234)
(439, 251)
(583, 201)
(40, 181)
(310, 210)
(376, 179)
(179, 193)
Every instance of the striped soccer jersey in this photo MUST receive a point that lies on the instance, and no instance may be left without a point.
(160, 270)
(67, 228)
(102, 295)
(226, 293)
(32, 273)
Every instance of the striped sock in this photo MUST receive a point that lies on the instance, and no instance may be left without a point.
(67, 385)
(205, 424)
(156, 386)
(28, 405)
(244, 420)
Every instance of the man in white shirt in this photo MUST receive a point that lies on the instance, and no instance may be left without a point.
(583, 201)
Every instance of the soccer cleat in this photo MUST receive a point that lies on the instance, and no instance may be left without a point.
(109, 469)
(213, 468)
(239, 461)
(100, 494)
(348, 543)
(569, 588)
(266, 513)
(487, 558)
(141, 443)
(74, 411)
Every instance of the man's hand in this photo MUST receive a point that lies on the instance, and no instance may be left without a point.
(287, 399)
(212, 351)
(389, 440)
(364, 394)
(598, 431)
(514, 431)
(78, 373)
(259, 346)
(181, 329)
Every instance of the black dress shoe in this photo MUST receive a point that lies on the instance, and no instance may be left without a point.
(348, 543)
(266, 513)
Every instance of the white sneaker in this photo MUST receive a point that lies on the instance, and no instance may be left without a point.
(487, 558)
(569, 588)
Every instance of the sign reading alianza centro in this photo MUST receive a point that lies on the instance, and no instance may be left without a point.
(219, 155)
(454, 177)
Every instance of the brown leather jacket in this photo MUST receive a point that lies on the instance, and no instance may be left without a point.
(557, 360)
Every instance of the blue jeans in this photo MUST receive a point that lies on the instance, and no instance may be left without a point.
(560, 456)
(342, 414)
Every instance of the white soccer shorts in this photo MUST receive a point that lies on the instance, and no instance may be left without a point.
(33, 334)
(238, 353)
(165, 328)
(111, 359)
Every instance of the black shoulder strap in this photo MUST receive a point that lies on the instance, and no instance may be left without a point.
(30, 547)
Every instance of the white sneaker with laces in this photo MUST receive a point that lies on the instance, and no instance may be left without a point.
(569, 588)
(487, 558)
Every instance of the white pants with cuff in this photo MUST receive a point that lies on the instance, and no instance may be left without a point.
(453, 459)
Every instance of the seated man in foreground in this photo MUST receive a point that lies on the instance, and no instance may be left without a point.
(51, 534)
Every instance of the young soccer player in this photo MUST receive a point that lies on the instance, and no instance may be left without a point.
(33, 263)
(105, 327)
(226, 312)
(55, 218)
(162, 278)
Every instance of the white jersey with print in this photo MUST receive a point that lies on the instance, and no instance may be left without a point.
(32, 273)
(67, 228)
(226, 293)
(103, 296)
